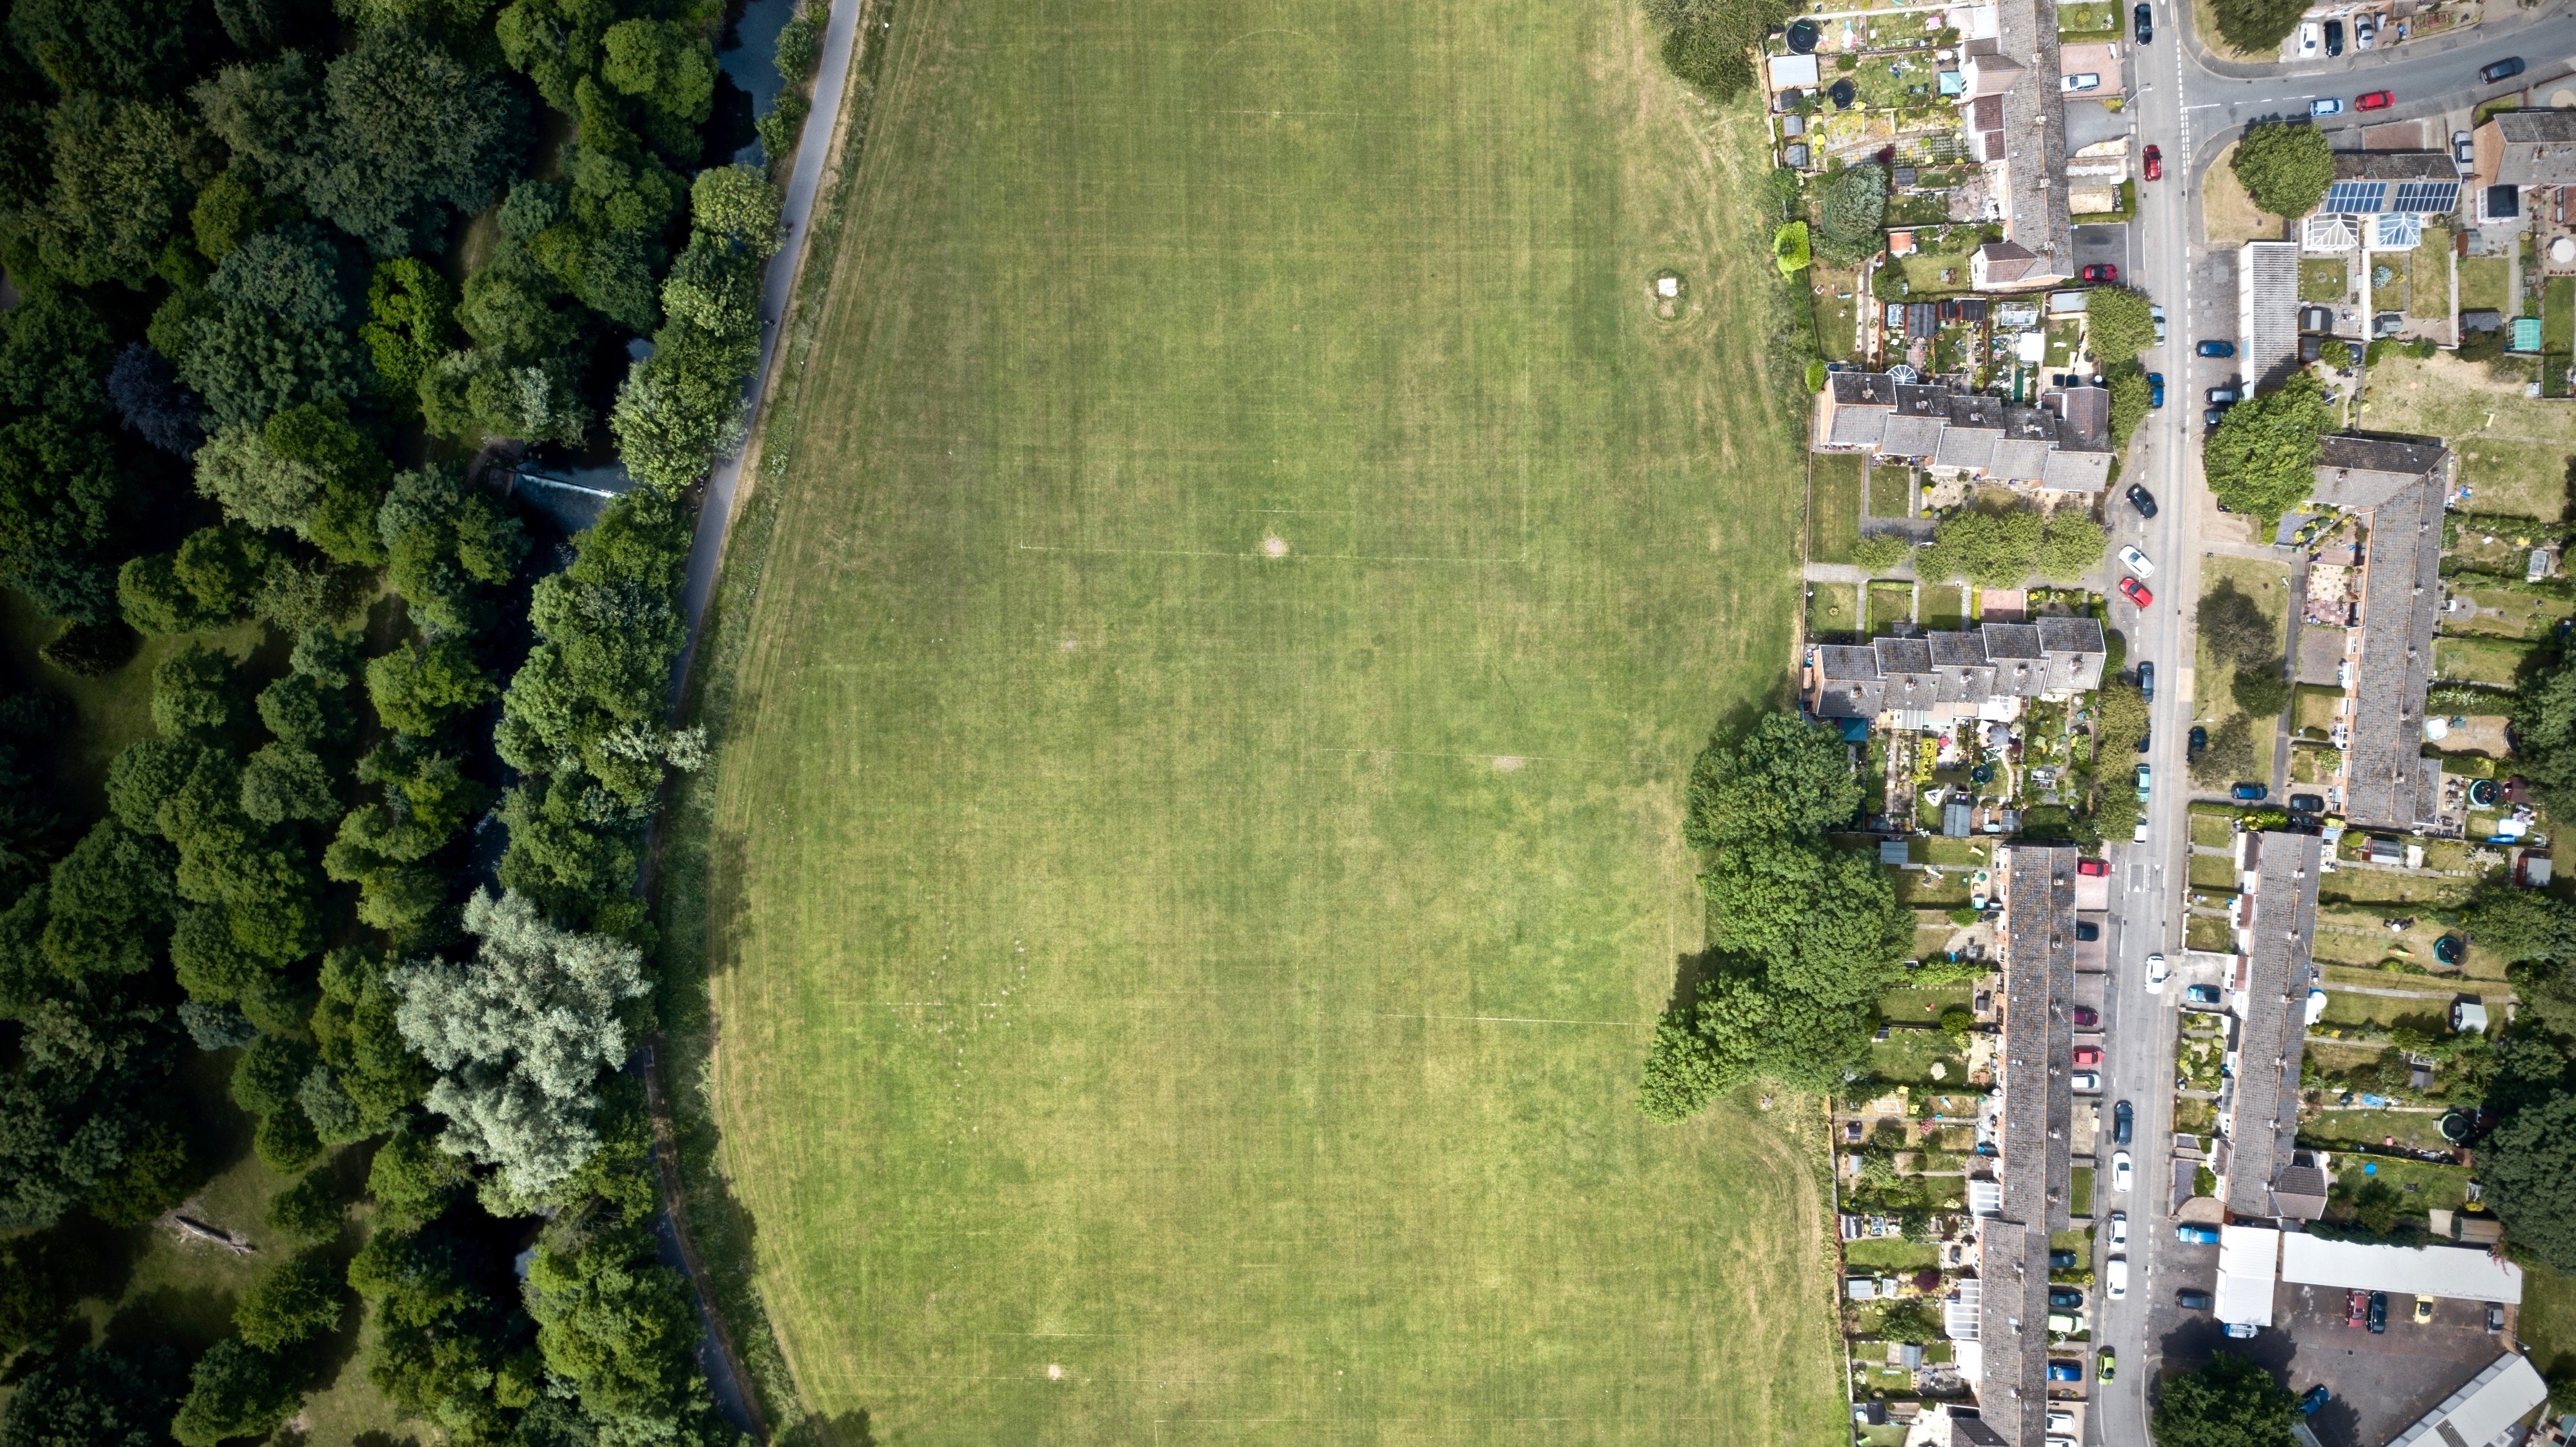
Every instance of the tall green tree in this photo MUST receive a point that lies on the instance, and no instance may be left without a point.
(2286, 168)
(2232, 1402)
(2261, 459)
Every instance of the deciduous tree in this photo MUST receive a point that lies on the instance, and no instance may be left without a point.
(2261, 458)
(2286, 168)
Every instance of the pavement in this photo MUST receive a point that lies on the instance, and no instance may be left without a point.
(777, 289)
(2189, 104)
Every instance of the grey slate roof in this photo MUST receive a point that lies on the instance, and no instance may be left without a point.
(2401, 598)
(2360, 473)
(2539, 148)
(1864, 680)
(2264, 1116)
(2019, 459)
(2299, 1192)
(2084, 418)
(2038, 956)
(1972, 448)
(2075, 651)
(1911, 436)
(1972, 1432)
(2069, 471)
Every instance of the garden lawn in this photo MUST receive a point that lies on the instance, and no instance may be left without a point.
(2323, 280)
(1890, 1253)
(1891, 605)
(2483, 283)
(2213, 700)
(2514, 451)
(1833, 523)
(1202, 696)
(2428, 286)
(1891, 491)
(2545, 1326)
(2558, 315)
(1833, 611)
(2479, 660)
(2228, 214)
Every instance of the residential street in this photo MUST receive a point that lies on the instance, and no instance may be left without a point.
(2189, 106)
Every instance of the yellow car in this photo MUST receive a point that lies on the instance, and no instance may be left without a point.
(2423, 1310)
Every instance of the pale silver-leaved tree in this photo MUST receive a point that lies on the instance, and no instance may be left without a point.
(519, 1033)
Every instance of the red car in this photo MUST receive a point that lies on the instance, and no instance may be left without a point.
(2087, 1056)
(2136, 592)
(2085, 1019)
(2155, 164)
(2104, 272)
(2378, 100)
(2356, 1308)
(2094, 867)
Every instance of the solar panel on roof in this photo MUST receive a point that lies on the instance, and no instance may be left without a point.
(2355, 196)
(2427, 197)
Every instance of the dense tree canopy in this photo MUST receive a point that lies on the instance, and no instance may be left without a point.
(2118, 323)
(2285, 167)
(2261, 458)
(2232, 1402)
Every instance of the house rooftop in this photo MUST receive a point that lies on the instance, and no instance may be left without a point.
(2273, 1007)
(2539, 147)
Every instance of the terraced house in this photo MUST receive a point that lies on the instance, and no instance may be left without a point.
(2062, 444)
(2398, 488)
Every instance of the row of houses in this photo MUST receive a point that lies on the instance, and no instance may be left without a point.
(2061, 444)
(1921, 682)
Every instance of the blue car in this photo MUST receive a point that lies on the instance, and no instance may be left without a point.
(2250, 793)
(2317, 1396)
(2065, 1371)
(2155, 389)
(2216, 349)
(2202, 994)
(2195, 1236)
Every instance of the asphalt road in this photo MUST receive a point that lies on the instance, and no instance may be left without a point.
(2181, 104)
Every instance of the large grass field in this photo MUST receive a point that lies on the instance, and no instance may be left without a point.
(1202, 697)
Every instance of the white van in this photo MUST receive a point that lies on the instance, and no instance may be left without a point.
(2119, 1277)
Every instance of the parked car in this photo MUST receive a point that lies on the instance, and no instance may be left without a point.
(2070, 84)
(2155, 394)
(2378, 100)
(2196, 1235)
(2065, 1298)
(2135, 561)
(2365, 30)
(2198, 740)
(2201, 994)
(2119, 1229)
(2495, 1317)
(2101, 271)
(2109, 1360)
(2211, 418)
(2061, 1260)
(2085, 1017)
(2061, 1421)
(2308, 803)
(2085, 1081)
(2143, 21)
(2138, 834)
(2065, 1371)
(2087, 930)
(2378, 1312)
(2093, 866)
(2155, 163)
(2334, 38)
(2067, 1323)
(2147, 681)
(2124, 1172)
(2144, 779)
(2505, 69)
(2356, 1309)
(2239, 1329)
(2156, 315)
(2464, 150)
(2325, 105)
(2121, 1118)
(2311, 40)
(2423, 1311)
(2143, 500)
(2225, 396)
(2315, 1397)
(2251, 793)
(2213, 347)
(2087, 1055)
(2190, 1300)
(2157, 974)
(2136, 592)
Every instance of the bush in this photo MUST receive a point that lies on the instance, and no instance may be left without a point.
(1990, 549)
(2261, 690)
(1878, 552)
(2118, 323)
(1790, 249)
(1711, 45)
(2072, 547)
(90, 650)
(2261, 459)
(1851, 205)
